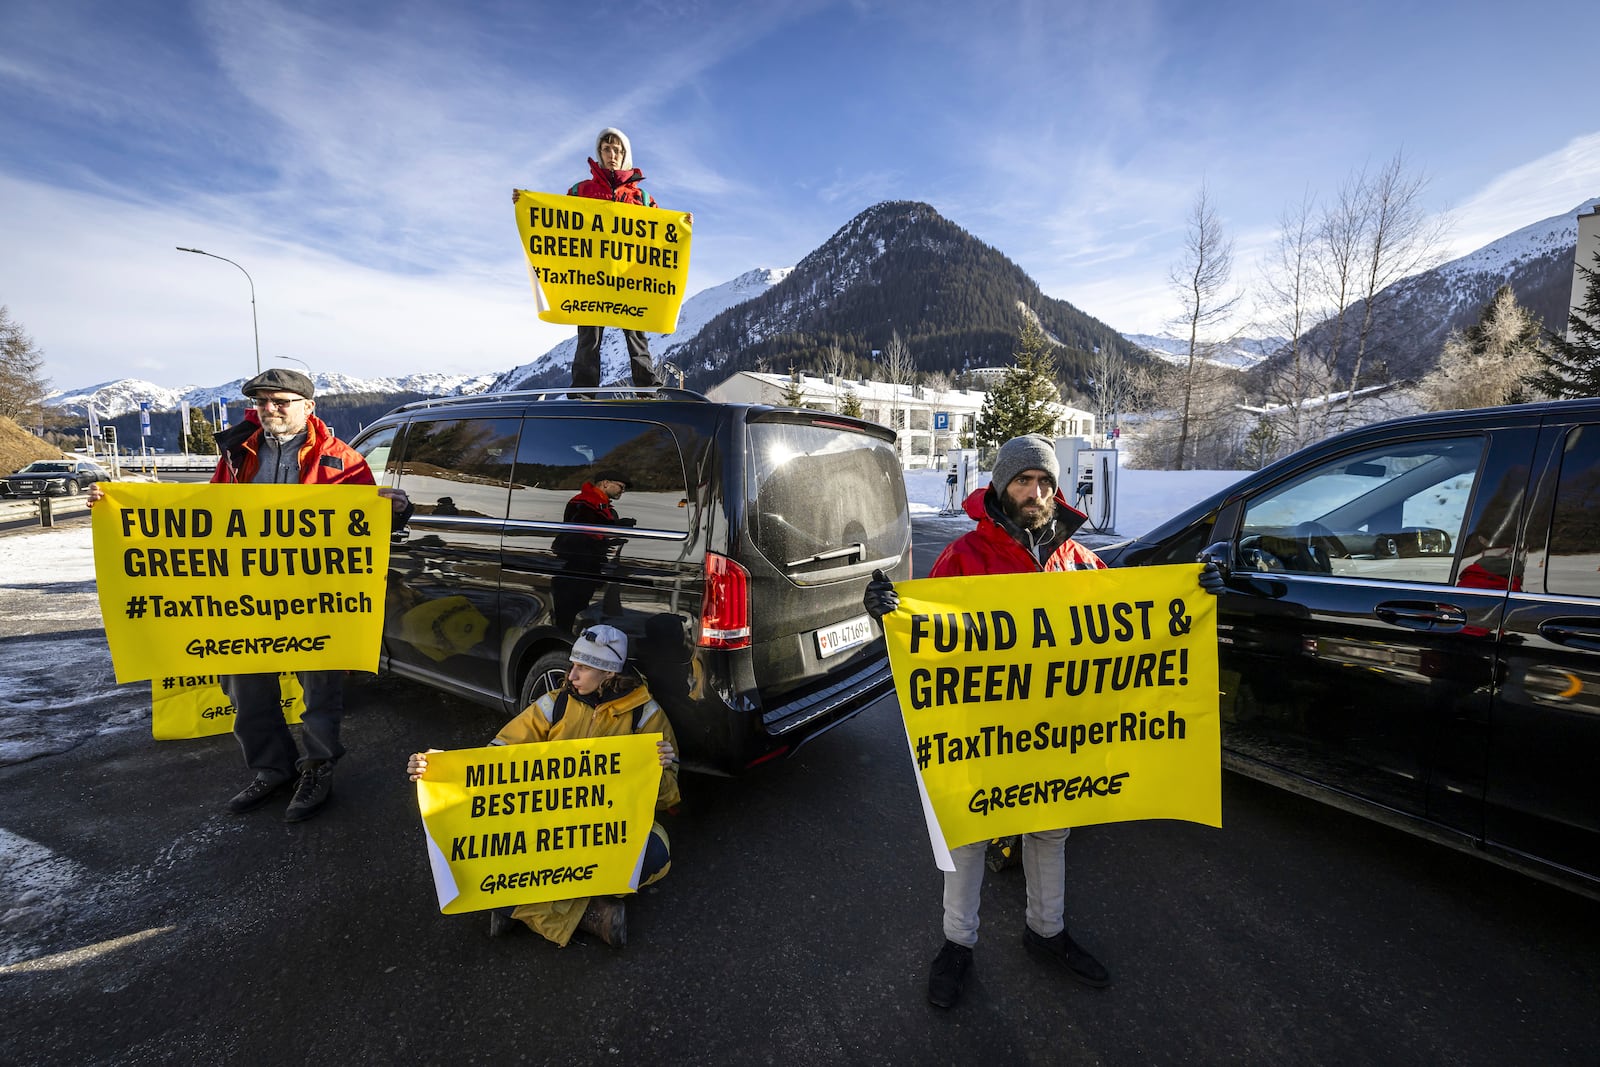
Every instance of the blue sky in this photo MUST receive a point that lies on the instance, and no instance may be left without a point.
(357, 159)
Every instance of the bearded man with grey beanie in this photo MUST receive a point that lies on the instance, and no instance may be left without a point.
(1024, 525)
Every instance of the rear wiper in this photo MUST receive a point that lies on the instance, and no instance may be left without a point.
(857, 549)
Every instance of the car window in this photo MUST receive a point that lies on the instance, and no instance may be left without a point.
(822, 491)
(1392, 513)
(557, 456)
(459, 466)
(1573, 564)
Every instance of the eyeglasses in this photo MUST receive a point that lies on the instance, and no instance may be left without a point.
(275, 401)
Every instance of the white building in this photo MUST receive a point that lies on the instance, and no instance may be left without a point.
(929, 422)
(1588, 245)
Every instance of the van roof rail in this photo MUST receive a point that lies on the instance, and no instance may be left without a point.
(604, 392)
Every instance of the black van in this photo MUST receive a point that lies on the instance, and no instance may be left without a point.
(1412, 629)
(735, 559)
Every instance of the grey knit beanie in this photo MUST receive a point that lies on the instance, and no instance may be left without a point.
(1030, 452)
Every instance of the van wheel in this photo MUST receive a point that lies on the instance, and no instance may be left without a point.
(547, 674)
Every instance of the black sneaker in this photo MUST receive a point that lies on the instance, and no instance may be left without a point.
(1069, 955)
(948, 972)
(257, 793)
(312, 791)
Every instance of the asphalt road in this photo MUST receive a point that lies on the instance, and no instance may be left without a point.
(796, 925)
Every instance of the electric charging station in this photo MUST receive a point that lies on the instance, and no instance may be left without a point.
(1093, 487)
(961, 478)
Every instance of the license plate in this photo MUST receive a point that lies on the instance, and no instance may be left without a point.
(845, 635)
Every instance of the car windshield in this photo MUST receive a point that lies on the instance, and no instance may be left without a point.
(43, 466)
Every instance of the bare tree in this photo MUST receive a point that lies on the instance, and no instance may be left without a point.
(1201, 280)
(833, 365)
(1288, 306)
(1491, 362)
(1401, 239)
(899, 369)
(1336, 267)
(1115, 390)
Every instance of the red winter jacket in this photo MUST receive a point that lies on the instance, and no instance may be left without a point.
(619, 185)
(324, 459)
(990, 549)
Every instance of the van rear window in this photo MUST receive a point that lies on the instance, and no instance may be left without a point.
(824, 497)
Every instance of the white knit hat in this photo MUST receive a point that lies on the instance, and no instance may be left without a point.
(602, 647)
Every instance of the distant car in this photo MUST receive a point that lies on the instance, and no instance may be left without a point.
(55, 477)
(1412, 630)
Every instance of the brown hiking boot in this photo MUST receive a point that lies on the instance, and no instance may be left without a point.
(607, 919)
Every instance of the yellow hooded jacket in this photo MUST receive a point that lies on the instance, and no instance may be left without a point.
(613, 716)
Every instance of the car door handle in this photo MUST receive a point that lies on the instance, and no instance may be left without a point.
(1420, 615)
(1579, 633)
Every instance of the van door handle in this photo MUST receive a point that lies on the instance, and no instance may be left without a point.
(1420, 615)
(1579, 633)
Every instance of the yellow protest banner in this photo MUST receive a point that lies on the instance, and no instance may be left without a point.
(599, 263)
(240, 579)
(1037, 701)
(187, 706)
(517, 824)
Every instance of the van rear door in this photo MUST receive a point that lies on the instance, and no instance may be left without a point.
(824, 505)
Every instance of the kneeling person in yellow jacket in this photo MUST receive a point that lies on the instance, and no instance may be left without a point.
(596, 700)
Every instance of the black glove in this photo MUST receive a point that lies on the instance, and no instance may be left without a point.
(1211, 578)
(880, 598)
(627, 522)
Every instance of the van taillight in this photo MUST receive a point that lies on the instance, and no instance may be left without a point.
(725, 614)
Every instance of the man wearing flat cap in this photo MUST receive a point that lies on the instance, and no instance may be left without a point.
(1024, 525)
(281, 441)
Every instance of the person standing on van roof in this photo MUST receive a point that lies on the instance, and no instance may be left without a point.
(282, 441)
(598, 699)
(1024, 524)
(612, 176)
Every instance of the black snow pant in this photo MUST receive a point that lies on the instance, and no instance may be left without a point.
(586, 364)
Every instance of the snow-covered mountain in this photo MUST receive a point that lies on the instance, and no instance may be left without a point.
(1241, 353)
(124, 395)
(697, 310)
(1419, 313)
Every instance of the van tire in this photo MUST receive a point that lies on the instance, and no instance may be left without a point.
(544, 676)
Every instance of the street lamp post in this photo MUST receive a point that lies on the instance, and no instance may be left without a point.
(253, 327)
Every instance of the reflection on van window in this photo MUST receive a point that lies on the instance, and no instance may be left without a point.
(378, 450)
(459, 466)
(820, 493)
(557, 456)
(1574, 562)
(1390, 513)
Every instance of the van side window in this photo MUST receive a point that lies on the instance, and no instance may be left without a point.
(557, 456)
(459, 466)
(1573, 565)
(379, 452)
(1392, 513)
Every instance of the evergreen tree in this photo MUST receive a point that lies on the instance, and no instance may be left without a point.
(850, 404)
(793, 395)
(202, 435)
(1020, 402)
(22, 387)
(1572, 362)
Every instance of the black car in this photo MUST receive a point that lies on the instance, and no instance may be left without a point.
(1413, 626)
(735, 560)
(55, 477)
